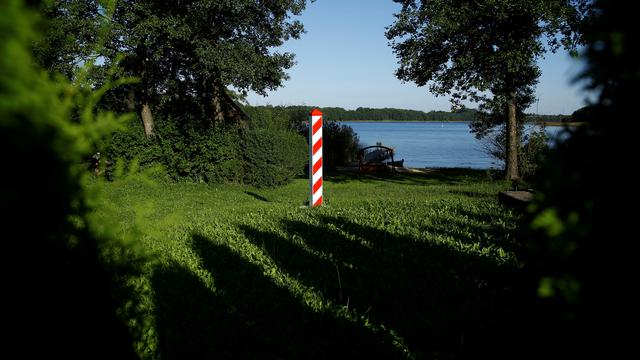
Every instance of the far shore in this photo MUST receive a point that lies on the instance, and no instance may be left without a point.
(407, 121)
(545, 123)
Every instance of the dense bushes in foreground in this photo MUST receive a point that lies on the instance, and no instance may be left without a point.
(61, 279)
(260, 154)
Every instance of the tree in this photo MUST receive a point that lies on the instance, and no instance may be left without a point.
(484, 51)
(197, 48)
(185, 53)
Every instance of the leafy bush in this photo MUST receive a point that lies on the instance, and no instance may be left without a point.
(130, 143)
(201, 153)
(278, 118)
(532, 153)
(273, 157)
(263, 152)
(187, 152)
(532, 150)
(340, 144)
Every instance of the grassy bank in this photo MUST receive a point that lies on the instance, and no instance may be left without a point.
(409, 266)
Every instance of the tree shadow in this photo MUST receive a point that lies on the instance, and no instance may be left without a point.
(443, 302)
(257, 196)
(248, 316)
(473, 228)
(302, 265)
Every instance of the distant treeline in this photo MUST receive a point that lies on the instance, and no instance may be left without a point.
(391, 114)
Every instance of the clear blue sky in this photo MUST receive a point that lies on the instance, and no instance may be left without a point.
(344, 60)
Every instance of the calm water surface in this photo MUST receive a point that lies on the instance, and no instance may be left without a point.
(429, 144)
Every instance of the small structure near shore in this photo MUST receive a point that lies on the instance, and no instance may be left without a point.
(377, 158)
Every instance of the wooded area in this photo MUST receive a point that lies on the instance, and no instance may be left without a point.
(154, 262)
(392, 114)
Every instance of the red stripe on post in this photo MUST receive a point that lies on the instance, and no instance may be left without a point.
(319, 202)
(317, 146)
(317, 185)
(317, 166)
(317, 126)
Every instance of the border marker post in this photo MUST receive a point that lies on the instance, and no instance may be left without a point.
(315, 157)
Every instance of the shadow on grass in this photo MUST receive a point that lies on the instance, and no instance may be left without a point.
(444, 303)
(257, 196)
(481, 229)
(248, 316)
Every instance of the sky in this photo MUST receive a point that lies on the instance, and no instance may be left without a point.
(344, 60)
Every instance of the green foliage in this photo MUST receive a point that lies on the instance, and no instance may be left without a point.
(340, 146)
(399, 267)
(201, 154)
(469, 47)
(129, 143)
(274, 152)
(484, 51)
(195, 37)
(276, 118)
(68, 35)
(578, 272)
(200, 38)
(65, 284)
(185, 54)
(186, 152)
(532, 152)
(267, 153)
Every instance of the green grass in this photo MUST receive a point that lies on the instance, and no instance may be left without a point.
(405, 266)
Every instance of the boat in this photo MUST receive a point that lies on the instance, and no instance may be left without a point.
(377, 158)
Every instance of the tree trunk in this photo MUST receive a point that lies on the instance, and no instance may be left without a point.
(512, 138)
(147, 120)
(145, 112)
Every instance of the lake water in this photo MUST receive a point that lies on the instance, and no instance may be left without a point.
(430, 144)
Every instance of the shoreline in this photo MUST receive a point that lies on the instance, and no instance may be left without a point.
(404, 121)
(545, 123)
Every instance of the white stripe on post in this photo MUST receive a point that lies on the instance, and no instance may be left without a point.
(315, 157)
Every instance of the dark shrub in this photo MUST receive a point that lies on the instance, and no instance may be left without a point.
(273, 157)
(198, 153)
(58, 286)
(340, 145)
(580, 257)
(263, 152)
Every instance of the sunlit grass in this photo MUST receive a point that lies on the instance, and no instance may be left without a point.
(399, 266)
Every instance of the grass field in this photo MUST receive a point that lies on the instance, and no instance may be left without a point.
(406, 266)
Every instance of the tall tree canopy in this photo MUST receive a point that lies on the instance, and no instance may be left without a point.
(183, 51)
(484, 51)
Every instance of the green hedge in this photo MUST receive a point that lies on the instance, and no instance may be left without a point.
(260, 156)
(273, 157)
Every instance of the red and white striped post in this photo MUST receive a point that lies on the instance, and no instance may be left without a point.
(315, 153)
